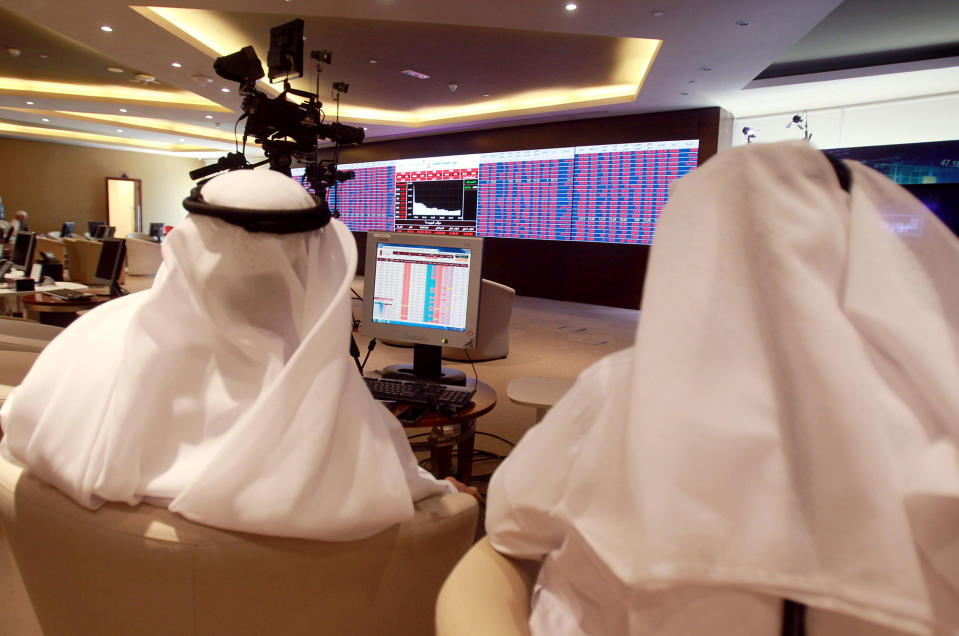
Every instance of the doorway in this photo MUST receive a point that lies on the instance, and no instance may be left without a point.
(124, 211)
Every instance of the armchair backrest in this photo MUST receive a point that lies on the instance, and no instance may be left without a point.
(144, 570)
(45, 244)
(82, 258)
(143, 257)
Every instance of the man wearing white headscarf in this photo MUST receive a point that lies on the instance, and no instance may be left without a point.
(225, 391)
(785, 426)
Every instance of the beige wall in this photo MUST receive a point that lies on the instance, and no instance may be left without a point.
(57, 182)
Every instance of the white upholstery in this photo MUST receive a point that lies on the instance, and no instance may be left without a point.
(82, 258)
(17, 334)
(14, 366)
(55, 246)
(143, 257)
(144, 570)
(486, 593)
(492, 333)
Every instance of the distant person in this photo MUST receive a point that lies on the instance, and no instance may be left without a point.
(785, 426)
(20, 222)
(225, 392)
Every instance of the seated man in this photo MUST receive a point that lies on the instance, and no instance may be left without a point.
(225, 391)
(785, 426)
(20, 222)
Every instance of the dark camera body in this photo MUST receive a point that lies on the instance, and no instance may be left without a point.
(284, 128)
(278, 117)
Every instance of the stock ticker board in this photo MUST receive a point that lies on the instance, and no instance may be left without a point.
(611, 193)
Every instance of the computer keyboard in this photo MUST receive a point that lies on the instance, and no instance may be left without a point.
(68, 294)
(419, 392)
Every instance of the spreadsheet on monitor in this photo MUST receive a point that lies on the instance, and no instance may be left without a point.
(421, 286)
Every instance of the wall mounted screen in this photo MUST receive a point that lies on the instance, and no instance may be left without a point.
(606, 193)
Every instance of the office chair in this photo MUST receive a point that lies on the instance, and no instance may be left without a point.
(143, 256)
(144, 570)
(82, 257)
(49, 245)
(19, 334)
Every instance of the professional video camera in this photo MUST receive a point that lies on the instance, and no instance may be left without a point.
(282, 127)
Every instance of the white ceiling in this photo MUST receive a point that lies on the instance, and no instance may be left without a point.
(494, 47)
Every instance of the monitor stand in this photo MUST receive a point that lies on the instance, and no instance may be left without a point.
(427, 365)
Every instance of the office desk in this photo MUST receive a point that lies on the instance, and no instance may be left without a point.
(49, 310)
(446, 431)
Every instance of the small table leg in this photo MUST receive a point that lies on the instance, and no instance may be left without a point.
(441, 461)
(464, 460)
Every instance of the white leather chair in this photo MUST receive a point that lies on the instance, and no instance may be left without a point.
(55, 246)
(82, 258)
(143, 257)
(144, 570)
(492, 332)
(14, 366)
(486, 593)
(18, 334)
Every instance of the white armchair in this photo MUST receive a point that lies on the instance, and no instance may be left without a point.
(143, 257)
(144, 570)
(486, 593)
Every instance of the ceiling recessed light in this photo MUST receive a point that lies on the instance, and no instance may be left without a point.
(123, 110)
(707, 68)
(571, 6)
(182, 140)
(374, 61)
(225, 90)
(44, 119)
(106, 28)
(485, 94)
(176, 65)
(114, 69)
(743, 23)
(657, 14)
(29, 103)
(119, 130)
(209, 116)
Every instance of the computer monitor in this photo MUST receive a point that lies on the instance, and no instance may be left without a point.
(93, 225)
(110, 265)
(22, 254)
(156, 231)
(66, 231)
(104, 231)
(423, 289)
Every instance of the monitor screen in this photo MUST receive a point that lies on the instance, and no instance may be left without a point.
(104, 231)
(110, 265)
(66, 230)
(93, 225)
(603, 193)
(422, 288)
(156, 231)
(22, 255)
(942, 199)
